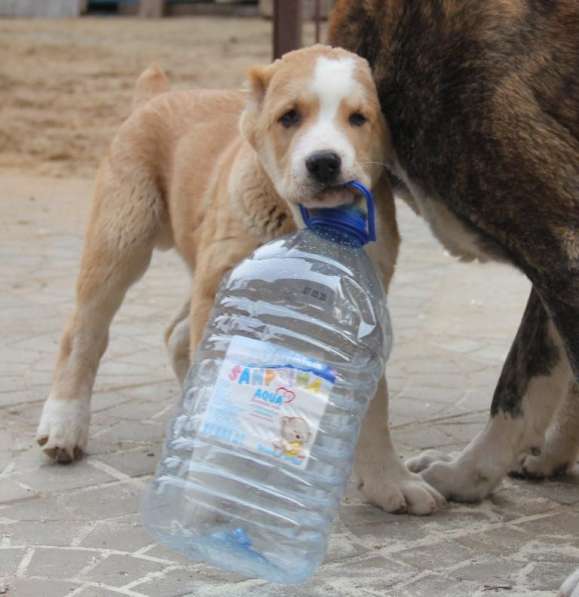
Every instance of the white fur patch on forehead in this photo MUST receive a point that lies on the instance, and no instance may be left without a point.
(332, 82)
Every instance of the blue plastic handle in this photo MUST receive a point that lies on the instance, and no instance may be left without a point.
(370, 206)
(370, 233)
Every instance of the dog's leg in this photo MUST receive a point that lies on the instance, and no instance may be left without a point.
(570, 588)
(563, 308)
(117, 251)
(561, 448)
(533, 381)
(212, 265)
(177, 337)
(382, 477)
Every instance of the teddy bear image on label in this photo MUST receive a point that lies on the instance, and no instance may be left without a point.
(295, 434)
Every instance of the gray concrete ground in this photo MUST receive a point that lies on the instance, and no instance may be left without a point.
(76, 531)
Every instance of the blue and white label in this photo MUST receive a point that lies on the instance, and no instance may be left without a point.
(268, 400)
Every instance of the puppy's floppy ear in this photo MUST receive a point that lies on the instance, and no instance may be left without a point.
(258, 79)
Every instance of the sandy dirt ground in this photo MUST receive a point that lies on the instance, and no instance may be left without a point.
(65, 86)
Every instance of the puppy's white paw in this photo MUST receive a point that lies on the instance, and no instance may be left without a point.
(397, 490)
(570, 588)
(63, 429)
(422, 462)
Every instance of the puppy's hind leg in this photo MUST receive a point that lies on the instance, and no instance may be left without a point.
(177, 337)
(117, 251)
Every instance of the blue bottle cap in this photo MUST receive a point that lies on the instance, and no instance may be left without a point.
(347, 224)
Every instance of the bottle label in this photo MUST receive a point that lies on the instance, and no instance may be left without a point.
(268, 400)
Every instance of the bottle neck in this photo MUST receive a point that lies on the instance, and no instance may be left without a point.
(336, 230)
(349, 224)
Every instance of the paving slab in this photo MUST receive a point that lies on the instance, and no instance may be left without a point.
(76, 530)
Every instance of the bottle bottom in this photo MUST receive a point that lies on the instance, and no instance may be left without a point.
(224, 549)
(227, 544)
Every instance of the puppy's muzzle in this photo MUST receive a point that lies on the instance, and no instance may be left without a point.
(324, 167)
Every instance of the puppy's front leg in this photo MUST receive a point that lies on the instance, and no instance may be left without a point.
(213, 263)
(535, 377)
(382, 477)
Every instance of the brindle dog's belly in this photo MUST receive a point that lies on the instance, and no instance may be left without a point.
(459, 238)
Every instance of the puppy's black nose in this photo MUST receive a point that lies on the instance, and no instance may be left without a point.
(324, 166)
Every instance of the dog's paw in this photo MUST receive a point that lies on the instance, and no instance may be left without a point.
(63, 429)
(542, 466)
(422, 462)
(399, 491)
(461, 479)
(570, 588)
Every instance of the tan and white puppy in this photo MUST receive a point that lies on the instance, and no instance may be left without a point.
(214, 174)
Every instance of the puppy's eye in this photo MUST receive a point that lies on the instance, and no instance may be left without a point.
(290, 118)
(357, 119)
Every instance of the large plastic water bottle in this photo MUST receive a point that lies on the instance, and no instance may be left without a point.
(259, 453)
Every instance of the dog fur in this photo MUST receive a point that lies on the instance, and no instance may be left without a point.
(482, 99)
(215, 174)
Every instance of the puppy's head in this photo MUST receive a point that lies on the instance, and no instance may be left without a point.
(315, 122)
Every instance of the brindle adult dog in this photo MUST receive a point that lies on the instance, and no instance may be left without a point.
(482, 97)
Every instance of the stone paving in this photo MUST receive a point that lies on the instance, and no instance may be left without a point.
(75, 530)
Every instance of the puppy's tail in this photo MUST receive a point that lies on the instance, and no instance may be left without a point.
(152, 82)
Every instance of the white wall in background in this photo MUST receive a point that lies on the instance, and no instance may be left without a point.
(41, 8)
